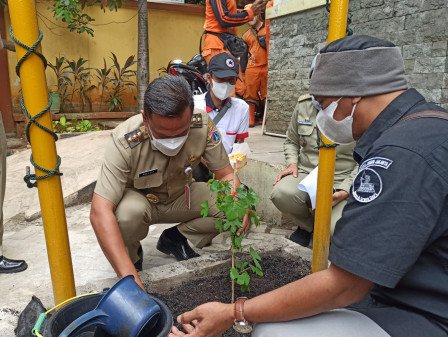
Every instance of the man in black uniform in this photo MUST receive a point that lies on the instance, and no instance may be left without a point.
(389, 255)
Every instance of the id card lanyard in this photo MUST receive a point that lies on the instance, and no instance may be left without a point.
(188, 173)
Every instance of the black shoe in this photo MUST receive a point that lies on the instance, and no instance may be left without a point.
(173, 242)
(139, 264)
(8, 266)
(300, 236)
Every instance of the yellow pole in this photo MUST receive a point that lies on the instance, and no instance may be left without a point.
(327, 157)
(35, 93)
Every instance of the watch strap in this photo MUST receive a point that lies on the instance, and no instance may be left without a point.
(239, 309)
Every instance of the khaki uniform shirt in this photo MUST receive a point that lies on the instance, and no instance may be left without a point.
(301, 140)
(132, 161)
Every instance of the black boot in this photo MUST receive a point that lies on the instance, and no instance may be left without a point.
(139, 264)
(301, 236)
(173, 242)
(8, 266)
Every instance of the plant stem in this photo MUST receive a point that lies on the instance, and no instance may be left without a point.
(232, 248)
(233, 281)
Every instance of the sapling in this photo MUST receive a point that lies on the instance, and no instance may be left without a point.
(235, 203)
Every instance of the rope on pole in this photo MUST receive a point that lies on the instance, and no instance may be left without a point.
(33, 120)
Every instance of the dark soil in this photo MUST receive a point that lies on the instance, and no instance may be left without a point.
(277, 270)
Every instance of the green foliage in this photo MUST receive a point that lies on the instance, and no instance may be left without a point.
(119, 82)
(62, 72)
(71, 12)
(234, 205)
(64, 126)
(81, 81)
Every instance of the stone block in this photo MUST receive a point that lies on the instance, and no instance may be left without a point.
(439, 48)
(402, 37)
(287, 74)
(407, 7)
(444, 106)
(297, 41)
(445, 80)
(417, 50)
(433, 4)
(371, 3)
(430, 65)
(381, 13)
(432, 95)
(409, 66)
(427, 81)
(444, 98)
(431, 18)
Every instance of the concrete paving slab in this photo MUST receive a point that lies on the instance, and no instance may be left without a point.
(81, 158)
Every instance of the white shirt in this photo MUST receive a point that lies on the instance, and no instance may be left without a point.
(235, 122)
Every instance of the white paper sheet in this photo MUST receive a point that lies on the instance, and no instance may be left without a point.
(309, 185)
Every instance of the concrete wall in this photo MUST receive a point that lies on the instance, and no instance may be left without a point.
(419, 27)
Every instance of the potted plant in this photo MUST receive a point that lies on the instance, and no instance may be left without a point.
(55, 101)
(62, 72)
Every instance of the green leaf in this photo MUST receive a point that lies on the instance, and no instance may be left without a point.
(254, 254)
(219, 226)
(234, 274)
(204, 211)
(241, 265)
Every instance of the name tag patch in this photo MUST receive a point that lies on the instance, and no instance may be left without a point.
(147, 173)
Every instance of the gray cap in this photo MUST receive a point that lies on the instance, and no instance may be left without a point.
(358, 65)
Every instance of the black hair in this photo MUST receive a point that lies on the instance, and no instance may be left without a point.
(168, 96)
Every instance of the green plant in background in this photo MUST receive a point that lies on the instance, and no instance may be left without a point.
(234, 205)
(102, 74)
(72, 12)
(85, 126)
(120, 82)
(81, 81)
(62, 71)
(63, 126)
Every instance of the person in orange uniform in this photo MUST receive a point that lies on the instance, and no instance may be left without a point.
(256, 75)
(221, 17)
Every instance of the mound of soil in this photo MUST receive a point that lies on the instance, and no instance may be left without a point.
(277, 270)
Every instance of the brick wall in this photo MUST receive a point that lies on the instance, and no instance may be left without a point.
(418, 27)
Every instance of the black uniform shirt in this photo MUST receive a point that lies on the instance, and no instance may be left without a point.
(394, 228)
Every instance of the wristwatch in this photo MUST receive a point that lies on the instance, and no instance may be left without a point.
(240, 324)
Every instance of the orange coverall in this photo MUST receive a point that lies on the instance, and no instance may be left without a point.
(221, 16)
(256, 76)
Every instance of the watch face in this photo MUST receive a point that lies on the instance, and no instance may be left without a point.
(242, 327)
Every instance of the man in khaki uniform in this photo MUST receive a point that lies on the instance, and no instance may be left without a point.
(7, 266)
(146, 178)
(301, 158)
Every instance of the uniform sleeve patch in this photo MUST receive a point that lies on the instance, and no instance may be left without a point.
(367, 185)
(213, 133)
(376, 161)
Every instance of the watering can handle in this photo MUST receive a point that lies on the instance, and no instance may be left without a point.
(88, 319)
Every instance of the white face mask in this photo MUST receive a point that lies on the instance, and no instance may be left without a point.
(222, 90)
(337, 131)
(169, 146)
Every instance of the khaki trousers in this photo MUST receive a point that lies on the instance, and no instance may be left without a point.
(297, 204)
(3, 150)
(135, 214)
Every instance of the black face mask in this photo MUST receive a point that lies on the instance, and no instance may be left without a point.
(263, 16)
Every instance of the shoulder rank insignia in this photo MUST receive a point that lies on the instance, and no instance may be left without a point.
(196, 121)
(136, 137)
(304, 97)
